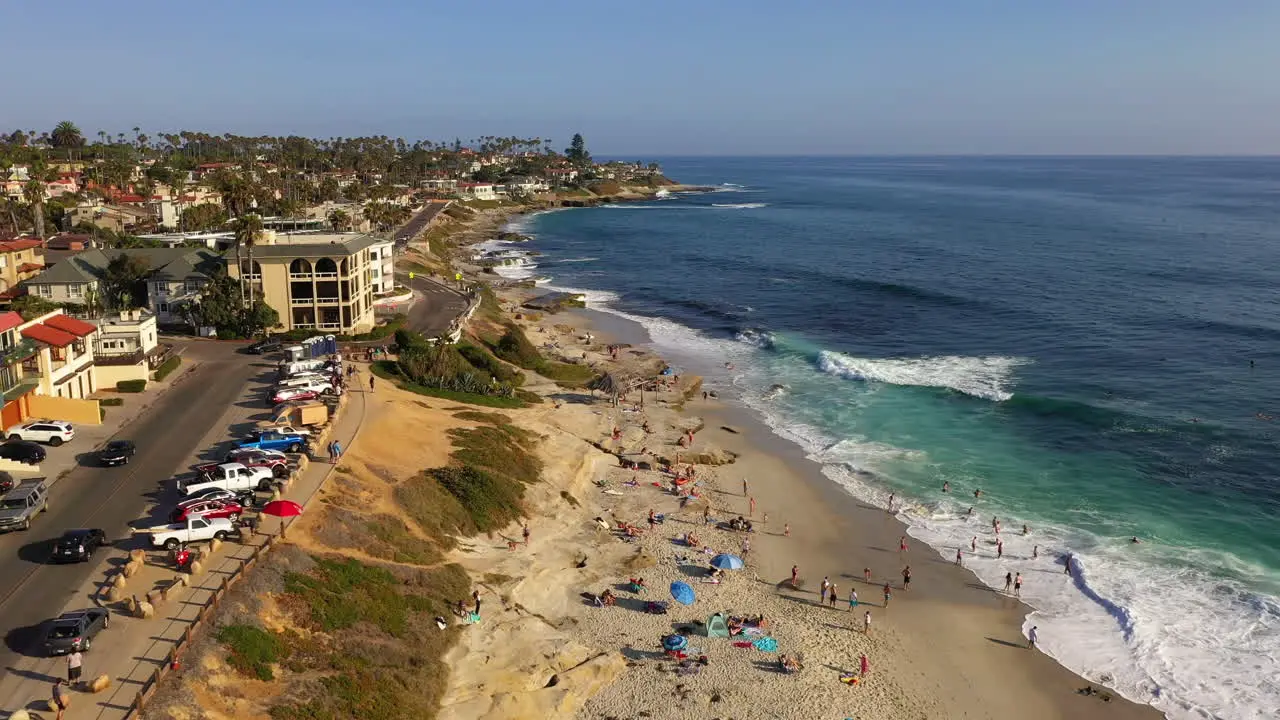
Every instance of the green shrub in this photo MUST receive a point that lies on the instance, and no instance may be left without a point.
(133, 386)
(516, 349)
(408, 339)
(111, 402)
(253, 650)
(167, 367)
(481, 360)
(385, 330)
(491, 502)
(341, 593)
(390, 370)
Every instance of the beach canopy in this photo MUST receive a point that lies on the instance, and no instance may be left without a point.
(282, 508)
(674, 642)
(682, 593)
(616, 383)
(717, 627)
(727, 562)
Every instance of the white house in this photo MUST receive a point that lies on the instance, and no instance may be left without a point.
(478, 191)
(382, 266)
(527, 186)
(126, 347)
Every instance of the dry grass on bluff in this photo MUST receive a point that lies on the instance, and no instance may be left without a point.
(339, 623)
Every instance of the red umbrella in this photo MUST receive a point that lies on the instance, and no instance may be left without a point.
(282, 508)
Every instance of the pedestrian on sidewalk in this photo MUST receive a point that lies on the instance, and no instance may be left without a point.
(59, 697)
(74, 663)
(337, 451)
(371, 383)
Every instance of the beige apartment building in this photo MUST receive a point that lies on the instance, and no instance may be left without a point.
(314, 281)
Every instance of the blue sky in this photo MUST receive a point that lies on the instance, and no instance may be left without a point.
(658, 77)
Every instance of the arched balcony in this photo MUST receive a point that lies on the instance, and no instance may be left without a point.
(326, 268)
(300, 269)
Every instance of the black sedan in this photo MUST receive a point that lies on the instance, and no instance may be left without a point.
(117, 452)
(264, 347)
(75, 630)
(77, 545)
(22, 451)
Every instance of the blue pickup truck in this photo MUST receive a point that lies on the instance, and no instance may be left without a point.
(276, 441)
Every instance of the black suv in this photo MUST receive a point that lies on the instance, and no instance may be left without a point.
(22, 451)
(264, 347)
(77, 545)
(117, 452)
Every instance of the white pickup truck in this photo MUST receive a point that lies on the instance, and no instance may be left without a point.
(193, 530)
(229, 476)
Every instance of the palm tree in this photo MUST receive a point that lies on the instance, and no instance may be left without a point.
(247, 228)
(67, 135)
(33, 192)
(339, 219)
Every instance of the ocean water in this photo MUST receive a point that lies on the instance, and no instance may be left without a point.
(1094, 343)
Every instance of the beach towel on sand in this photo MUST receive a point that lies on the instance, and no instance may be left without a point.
(742, 644)
(766, 644)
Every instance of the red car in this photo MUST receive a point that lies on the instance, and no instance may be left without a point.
(289, 394)
(207, 509)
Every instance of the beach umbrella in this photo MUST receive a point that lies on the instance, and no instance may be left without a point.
(682, 593)
(282, 508)
(727, 562)
(674, 642)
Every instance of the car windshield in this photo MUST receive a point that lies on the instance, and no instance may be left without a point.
(117, 445)
(18, 503)
(64, 631)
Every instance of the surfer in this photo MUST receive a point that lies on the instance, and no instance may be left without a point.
(1134, 540)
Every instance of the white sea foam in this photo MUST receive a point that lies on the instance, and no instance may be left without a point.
(577, 260)
(982, 377)
(739, 206)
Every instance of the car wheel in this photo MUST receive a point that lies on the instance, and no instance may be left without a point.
(106, 621)
(88, 643)
(233, 517)
(55, 441)
(220, 535)
(171, 544)
(264, 486)
(26, 524)
(15, 436)
(280, 471)
(295, 448)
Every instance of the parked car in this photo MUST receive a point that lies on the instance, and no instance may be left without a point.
(6, 482)
(228, 509)
(170, 537)
(23, 452)
(22, 503)
(54, 432)
(75, 630)
(302, 380)
(279, 467)
(264, 347)
(117, 452)
(252, 453)
(243, 497)
(229, 476)
(77, 545)
(276, 441)
(293, 394)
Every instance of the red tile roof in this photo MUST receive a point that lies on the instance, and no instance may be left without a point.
(10, 320)
(29, 267)
(16, 245)
(13, 293)
(48, 335)
(128, 198)
(66, 323)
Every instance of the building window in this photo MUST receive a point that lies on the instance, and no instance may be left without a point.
(75, 290)
(193, 286)
(44, 290)
(164, 307)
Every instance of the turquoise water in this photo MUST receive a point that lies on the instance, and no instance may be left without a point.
(1073, 337)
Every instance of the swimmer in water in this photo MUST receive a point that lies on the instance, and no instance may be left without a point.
(1134, 540)
(977, 493)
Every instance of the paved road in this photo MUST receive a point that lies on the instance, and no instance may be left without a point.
(170, 431)
(435, 307)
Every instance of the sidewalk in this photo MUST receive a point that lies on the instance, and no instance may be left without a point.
(132, 649)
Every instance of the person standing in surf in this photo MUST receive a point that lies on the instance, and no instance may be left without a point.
(1017, 585)
(1008, 582)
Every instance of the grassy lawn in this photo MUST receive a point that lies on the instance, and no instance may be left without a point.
(387, 370)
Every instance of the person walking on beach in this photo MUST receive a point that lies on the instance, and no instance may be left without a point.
(973, 544)
(906, 578)
(831, 597)
(795, 575)
(853, 599)
(751, 510)
(475, 595)
(1017, 585)
(866, 623)
(1032, 637)
(822, 591)
(890, 508)
(888, 592)
(1035, 551)
(652, 519)
(866, 574)
(865, 665)
(744, 487)
(526, 534)
(1066, 565)
(786, 529)
(1008, 582)
(902, 544)
(959, 557)
(999, 548)
(746, 546)
(706, 514)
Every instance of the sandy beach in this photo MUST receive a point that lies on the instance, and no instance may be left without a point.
(948, 647)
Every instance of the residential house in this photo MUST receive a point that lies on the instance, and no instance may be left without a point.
(526, 186)
(126, 347)
(70, 242)
(206, 169)
(16, 382)
(477, 191)
(66, 184)
(178, 274)
(562, 175)
(315, 281)
(65, 367)
(116, 218)
(20, 260)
